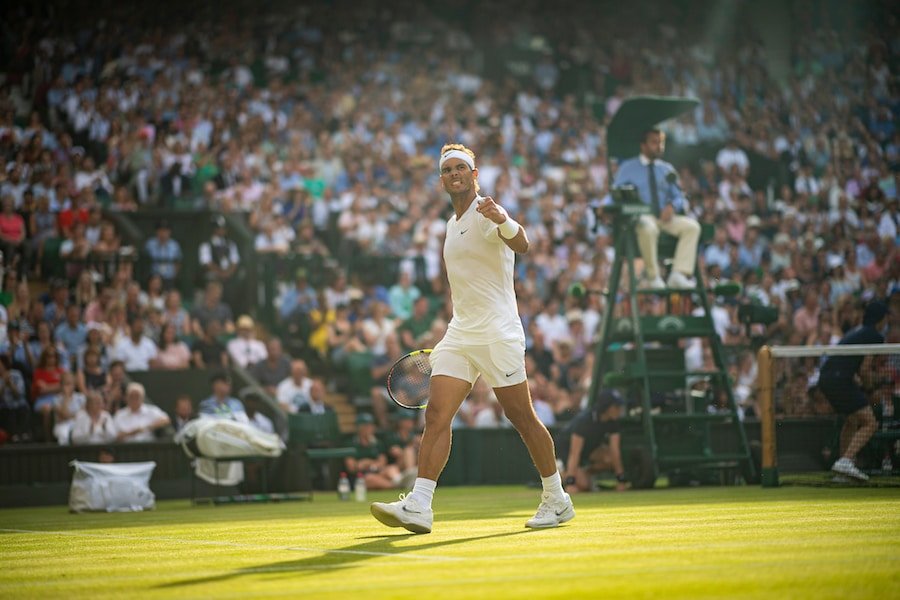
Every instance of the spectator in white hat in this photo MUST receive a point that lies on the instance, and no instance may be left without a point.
(245, 349)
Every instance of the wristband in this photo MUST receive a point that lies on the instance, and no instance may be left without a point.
(569, 481)
(620, 477)
(508, 228)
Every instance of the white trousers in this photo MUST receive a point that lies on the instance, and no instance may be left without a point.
(687, 231)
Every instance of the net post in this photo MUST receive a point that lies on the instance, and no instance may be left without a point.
(769, 475)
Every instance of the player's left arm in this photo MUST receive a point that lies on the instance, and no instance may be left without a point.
(489, 209)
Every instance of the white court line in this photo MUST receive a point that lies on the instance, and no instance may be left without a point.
(401, 554)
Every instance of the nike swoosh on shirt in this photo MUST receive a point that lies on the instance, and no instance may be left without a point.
(513, 373)
(463, 231)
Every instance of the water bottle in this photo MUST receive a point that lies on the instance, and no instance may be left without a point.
(343, 487)
(359, 488)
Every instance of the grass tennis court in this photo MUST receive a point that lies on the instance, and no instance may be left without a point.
(709, 542)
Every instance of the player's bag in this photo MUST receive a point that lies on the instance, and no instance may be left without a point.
(223, 438)
(206, 438)
(120, 487)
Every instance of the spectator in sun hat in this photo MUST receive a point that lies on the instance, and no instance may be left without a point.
(245, 349)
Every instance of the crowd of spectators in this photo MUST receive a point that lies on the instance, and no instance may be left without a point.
(319, 126)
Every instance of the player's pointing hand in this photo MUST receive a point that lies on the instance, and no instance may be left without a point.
(493, 211)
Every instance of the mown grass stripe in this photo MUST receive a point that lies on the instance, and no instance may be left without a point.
(680, 543)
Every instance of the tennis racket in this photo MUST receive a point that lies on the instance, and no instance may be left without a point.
(409, 379)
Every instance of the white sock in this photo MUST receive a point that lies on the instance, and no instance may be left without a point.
(553, 485)
(423, 491)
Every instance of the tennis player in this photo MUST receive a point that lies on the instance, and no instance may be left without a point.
(838, 381)
(484, 337)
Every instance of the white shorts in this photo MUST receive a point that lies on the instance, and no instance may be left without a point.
(502, 363)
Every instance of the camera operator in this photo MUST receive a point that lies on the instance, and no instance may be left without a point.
(591, 444)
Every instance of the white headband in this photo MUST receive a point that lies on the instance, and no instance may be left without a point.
(457, 154)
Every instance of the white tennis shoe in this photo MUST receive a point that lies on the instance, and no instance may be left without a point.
(680, 281)
(552, 512)
(845, 466)
(406, 512)
(652, 284)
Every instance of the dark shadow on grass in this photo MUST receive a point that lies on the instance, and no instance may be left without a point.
(208, 515)
(374, 546)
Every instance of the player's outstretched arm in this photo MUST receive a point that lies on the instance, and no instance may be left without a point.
(512, 234)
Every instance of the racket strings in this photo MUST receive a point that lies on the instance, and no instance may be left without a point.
(409, 381)
(422, 361)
